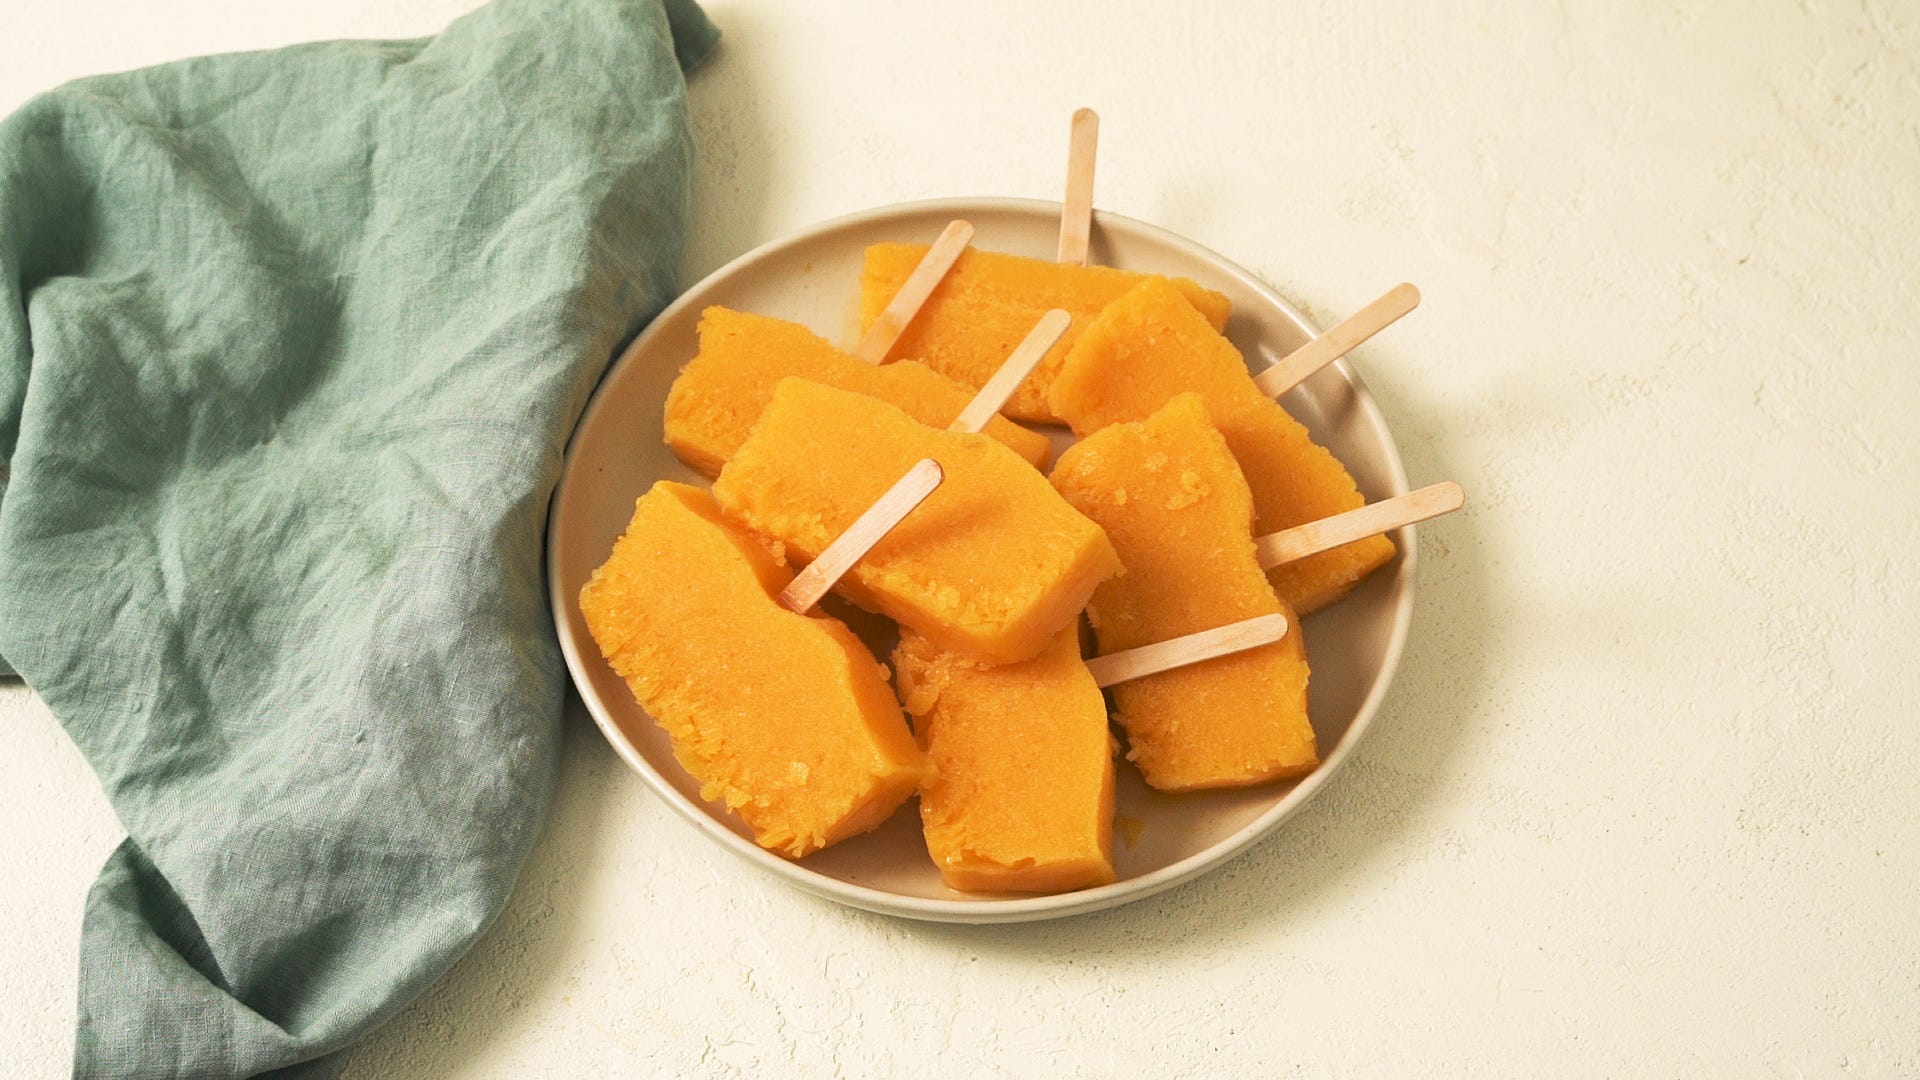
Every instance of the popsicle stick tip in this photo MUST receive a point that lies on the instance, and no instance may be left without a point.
(1012, 372)
(1264, 629)
(1347, 335)
(892, 321)
(1187, 649)
(1076, 207)
(1328, 533)
(893, 505)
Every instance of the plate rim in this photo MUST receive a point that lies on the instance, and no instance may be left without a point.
(996, 910)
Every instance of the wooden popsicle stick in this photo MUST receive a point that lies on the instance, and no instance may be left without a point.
(880, 337)
(1339, 341)
(1076, 210)
(1019, 364)
(912, 489)
(1187, 649)
(1384, 516)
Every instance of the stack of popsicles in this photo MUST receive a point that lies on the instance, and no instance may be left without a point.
(1164, 524)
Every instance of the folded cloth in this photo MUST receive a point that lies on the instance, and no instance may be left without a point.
(290, 344)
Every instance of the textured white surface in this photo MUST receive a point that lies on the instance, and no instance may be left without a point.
(1643, 800)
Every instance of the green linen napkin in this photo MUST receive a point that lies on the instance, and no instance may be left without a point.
(290, 344)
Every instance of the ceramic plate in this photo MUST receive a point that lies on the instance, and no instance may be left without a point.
(812, 278)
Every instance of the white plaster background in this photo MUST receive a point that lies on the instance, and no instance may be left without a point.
(1643, 800)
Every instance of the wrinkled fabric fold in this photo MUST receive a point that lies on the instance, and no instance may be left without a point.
(290, 345)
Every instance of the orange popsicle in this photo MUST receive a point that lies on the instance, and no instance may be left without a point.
(1022, 795)
(722, 390)
(993, 563)
(1171, 498)
(989, 300)
(1152, 344)
(784, 718)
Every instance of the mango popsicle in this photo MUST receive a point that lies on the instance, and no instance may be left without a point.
(993, 563)
(1150, 345)
(989, 300)
(786, 719)
(722, 390)
(1022, 795)
(1176, 507)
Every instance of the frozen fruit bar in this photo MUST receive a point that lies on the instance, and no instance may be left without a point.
(1169, 494)
(1022, 794)
(784, 718)
(1152, 344)
(722, 390)
(988, 302)
(994, 563)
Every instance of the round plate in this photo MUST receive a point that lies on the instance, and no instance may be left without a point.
(812, 278)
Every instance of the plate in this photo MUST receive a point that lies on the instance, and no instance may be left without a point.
(812, 278)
